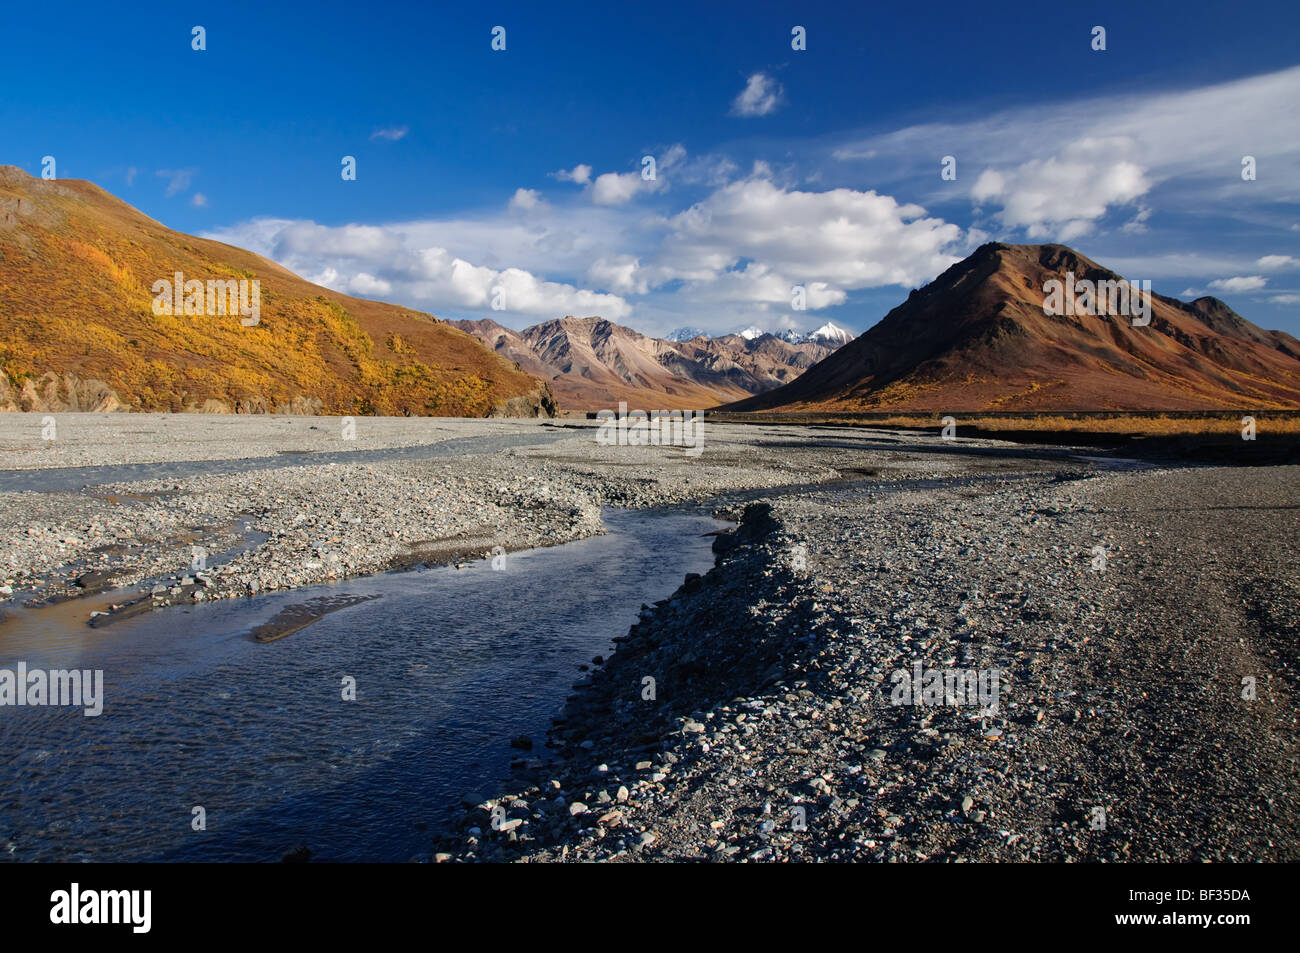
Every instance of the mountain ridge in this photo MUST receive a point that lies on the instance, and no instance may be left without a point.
(79, 330)
(978, 337)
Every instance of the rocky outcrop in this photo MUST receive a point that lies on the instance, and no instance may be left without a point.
(539, 403)
(52, 393)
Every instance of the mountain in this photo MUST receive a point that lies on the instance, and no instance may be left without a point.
(831, 334)
(684, 334)
(979, 337)
(752, 333)
(78, 328)
(592, 364)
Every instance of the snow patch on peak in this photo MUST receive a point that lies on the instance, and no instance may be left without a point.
(685, 334)
(832, 332)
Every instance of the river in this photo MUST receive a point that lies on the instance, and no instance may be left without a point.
(449, 665)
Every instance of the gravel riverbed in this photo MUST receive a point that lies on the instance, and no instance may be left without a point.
(1140, 628)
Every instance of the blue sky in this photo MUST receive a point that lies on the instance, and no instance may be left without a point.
(516, 174)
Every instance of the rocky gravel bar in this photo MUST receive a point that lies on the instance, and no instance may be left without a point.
(221, 535)
(1142, 628)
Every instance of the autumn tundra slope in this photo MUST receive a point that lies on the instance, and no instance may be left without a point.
(78, 330)
(980, 338)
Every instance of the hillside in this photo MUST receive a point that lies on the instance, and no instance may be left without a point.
(78, 330)
(978, 338)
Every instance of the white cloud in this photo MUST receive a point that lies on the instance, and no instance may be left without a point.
(178, 180)
(1270, 262)
(618, 273)
(400, 263)
(1062, 196)
(526, 200)
(199, 200)
(580, 174)
(1106, 152)
(390, 133)
(843, 239)
(1285, 299)
(733, 257)
(619, 188)
(368, 285)
(761, 95)
(1245, 283)
(616, 188)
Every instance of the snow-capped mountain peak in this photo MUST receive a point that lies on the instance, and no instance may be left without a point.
(751, 332)
(832, 333)
(684, 334)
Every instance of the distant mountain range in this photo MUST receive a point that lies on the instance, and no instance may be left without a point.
(79, 330)
(829, 333)
(986, 335)
(592, 364)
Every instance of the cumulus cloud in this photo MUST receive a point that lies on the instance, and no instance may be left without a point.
(368, 285)
(579, 174)
(526, 200)
(1244, 283)
(618, 273)
(735, 255)
(761, 95)
(1062, 196)
(398, 263)
(390, 133)
(755, 240)
(616, 188)
(619, 188)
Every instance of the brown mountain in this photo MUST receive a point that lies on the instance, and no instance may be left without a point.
(78, 329)
(593, 364)
(978, 338)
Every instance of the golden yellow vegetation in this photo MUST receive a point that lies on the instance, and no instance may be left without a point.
(76, 298)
